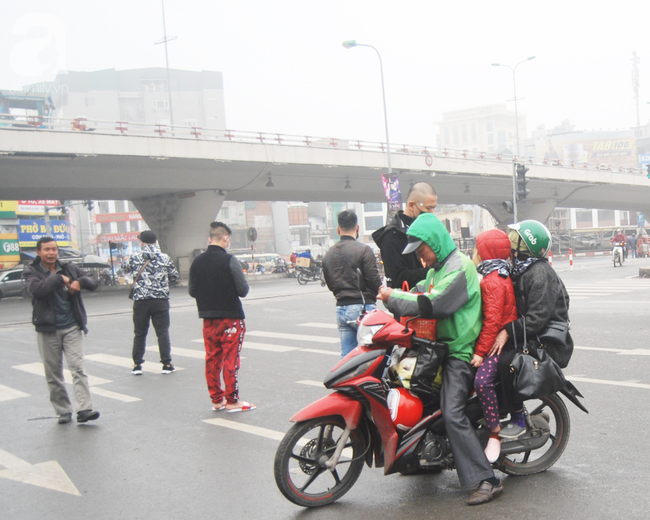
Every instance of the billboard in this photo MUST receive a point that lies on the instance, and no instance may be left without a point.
(9, 249)
(35, 207)
(29, 231)
(608, 148)
(8, 209)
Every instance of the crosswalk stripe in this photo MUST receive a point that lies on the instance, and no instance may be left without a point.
(319, 325)
(121, 361)
(621, 352)
(113, 395)
(311, 383)
(296, 337)
(183, 352)
(7, 393)
(268, 347)
(38, 370)
(248, 428)
(319, 351)
(629, 384)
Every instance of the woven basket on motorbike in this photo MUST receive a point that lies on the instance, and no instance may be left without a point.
(423, 328)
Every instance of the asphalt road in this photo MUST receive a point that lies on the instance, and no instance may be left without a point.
(158, 451)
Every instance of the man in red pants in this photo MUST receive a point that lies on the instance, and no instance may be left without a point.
(217, 282)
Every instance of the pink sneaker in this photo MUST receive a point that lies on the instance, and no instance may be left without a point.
(493, 450)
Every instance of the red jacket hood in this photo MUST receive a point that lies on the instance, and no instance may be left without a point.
(493, 244)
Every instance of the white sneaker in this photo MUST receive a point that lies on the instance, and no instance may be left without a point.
(493, 450)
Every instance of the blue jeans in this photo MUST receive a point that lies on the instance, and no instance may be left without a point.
(348, 332)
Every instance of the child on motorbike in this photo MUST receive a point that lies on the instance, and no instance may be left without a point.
(491, 256)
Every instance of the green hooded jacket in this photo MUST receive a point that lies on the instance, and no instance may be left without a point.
(452, 285)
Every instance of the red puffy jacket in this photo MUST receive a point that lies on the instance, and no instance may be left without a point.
(499, 303)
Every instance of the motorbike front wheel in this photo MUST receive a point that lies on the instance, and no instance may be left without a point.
(617, 259)
(300, 471)
(536, 461)
(302, 278)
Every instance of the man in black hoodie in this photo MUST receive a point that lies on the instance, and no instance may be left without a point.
(217, 282)
(59, 317)
(392, 238)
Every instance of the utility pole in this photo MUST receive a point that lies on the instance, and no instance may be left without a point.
(164, 40)
(635, 86)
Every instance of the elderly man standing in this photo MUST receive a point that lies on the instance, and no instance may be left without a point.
(152, 271)
(340, 270)
(217, 282)
(59, 317)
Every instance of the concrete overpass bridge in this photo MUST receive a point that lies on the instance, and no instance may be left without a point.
(179, 180)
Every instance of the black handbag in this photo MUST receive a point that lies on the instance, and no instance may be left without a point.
(429, 361)
(556, 338)
(536, 375)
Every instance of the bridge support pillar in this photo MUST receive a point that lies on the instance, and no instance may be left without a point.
(539, 210)
(181, 221)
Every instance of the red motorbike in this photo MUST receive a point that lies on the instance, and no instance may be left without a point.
(367, 419)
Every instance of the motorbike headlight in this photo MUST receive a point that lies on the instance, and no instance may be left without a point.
(366, 333)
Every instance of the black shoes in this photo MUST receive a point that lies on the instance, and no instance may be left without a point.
(484, 493)
(65, 418)
(86, 415)
(168, 369)
(137, 370)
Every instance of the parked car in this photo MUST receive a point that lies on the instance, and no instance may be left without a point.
(12, 283)
(268, 260)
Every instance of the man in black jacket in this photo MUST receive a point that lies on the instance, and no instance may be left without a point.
(340, 270)
(59, 317)
(391, 239)
(217, 282)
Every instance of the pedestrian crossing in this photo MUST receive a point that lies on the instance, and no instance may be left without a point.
(625, 286)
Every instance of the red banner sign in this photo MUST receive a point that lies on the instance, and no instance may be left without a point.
(131, 236)
(103, 218)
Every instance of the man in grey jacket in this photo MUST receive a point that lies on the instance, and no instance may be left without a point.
(59, 317)
(340, 270)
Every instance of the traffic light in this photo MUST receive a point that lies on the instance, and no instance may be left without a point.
(508, 206)
(522, 191)
(89, 204)
(648, 167)
(111, 246)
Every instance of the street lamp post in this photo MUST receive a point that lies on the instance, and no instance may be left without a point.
(514, 167)
(353, 43)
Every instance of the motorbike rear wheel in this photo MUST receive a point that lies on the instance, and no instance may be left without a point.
(303, 278)
(300, 471)
(536, 461)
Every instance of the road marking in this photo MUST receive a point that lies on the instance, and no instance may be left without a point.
(113, 395)
(622, 352)
(319, 351)
(183, 352)
(319, 325)
(124, 362)
(311, 383)
(268, 347)
(248, 428)
(621, 302)
(607, 382)
(7, 394)
(44, 474)
(296, 337)
(38, 370)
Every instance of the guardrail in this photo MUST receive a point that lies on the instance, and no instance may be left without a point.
(164, 131)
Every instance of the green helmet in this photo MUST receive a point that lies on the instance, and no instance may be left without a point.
(535, 235)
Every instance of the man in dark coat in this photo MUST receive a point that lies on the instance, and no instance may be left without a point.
(340, 269)
(391, 239)
(59, 317)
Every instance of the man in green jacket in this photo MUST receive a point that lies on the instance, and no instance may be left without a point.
(453, 287)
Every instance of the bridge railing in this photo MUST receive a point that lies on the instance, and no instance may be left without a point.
(165, 131)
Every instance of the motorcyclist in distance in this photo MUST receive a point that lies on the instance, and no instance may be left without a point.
(620, 239)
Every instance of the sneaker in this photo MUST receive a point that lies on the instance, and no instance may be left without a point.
(87, 415)
(168, 369)
(484, 493)
(511, 431)
(137, 370)
(65, 418)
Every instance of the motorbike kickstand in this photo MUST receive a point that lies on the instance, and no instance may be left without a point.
(332, 462)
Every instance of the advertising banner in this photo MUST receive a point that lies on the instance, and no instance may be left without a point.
(29, 231)
(35, 207)
(9, 248)
(595, 148)
(392, 192)
(103, 218)
(131, 236)
(8, 208)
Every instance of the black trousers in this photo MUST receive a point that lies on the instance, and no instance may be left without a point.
(158, 312)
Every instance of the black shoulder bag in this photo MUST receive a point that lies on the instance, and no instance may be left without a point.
(536, 375)
(136, 279)
(556, 337)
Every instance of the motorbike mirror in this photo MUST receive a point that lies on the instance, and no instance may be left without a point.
(425, 307)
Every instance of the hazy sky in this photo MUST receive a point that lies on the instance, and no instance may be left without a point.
(286, 71)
